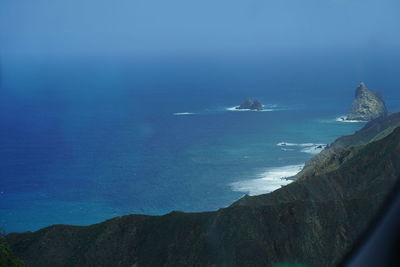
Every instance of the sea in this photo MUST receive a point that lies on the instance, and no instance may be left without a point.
(87, 138)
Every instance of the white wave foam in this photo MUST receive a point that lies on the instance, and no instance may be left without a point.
(292, 144)
(272, 106)
(307, 147)
(183, 113)
(287, 149)
(235, 108)
(268, 181)
(301, 145)
(314, 149)
(344, 119)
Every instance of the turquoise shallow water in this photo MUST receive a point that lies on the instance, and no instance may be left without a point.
(79, 150)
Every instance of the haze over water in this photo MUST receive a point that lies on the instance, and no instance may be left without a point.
(103, 116)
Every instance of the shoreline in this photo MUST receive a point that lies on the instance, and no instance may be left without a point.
(270, 180)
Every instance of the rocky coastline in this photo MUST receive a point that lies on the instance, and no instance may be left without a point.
(314, 220)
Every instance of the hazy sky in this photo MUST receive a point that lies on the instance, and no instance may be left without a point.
(57, 27)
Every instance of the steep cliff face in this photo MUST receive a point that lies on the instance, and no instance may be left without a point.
(314, 221)
(367, 106)
(333, 155)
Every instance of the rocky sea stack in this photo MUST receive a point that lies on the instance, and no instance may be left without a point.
(367, 106)
(251, 104)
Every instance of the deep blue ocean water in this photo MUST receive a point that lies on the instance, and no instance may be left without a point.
(85, 140)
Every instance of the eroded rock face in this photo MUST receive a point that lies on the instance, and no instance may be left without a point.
(367, 106)
(373, 131)
(251, 104)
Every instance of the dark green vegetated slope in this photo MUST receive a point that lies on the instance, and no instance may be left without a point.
(313, 221)
(372, 131)
(7, 259)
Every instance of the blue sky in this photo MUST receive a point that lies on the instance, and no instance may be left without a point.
(65, 27)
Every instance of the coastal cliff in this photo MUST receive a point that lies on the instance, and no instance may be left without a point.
(314, 220)
(367, 106)
(327, 159)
